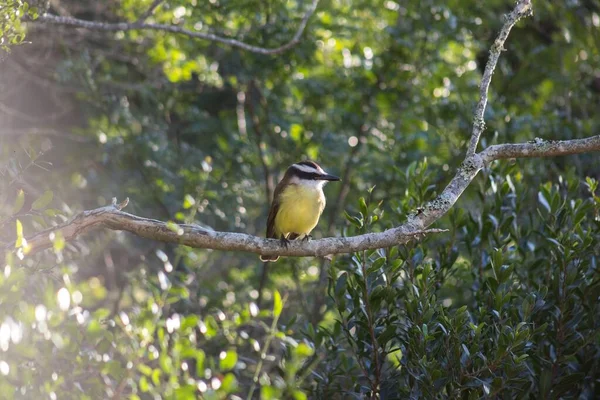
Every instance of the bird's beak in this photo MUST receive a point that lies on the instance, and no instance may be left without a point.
(328, 177)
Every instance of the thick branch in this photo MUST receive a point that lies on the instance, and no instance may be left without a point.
(141, 25)
(112, 217)
(522, 9)
(469, 169)
(541, 148)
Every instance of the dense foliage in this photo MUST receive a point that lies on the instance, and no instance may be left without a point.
(12, 32)
(503, 305)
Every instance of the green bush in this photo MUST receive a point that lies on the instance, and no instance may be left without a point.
(503, 305)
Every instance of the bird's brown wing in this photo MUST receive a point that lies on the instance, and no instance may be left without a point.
(273, 213)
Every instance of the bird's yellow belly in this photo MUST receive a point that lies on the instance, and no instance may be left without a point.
(299, 211)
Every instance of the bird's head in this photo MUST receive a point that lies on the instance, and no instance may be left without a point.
(308, 173)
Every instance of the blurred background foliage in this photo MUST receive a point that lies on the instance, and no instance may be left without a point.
(504, 305)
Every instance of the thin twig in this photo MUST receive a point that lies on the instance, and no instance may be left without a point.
(522, 9)
(260, 144)
(45, 132)
(263, 353)
(130, 26)
(371, 323)
(149, 11)
(264, 275)
(298, 283)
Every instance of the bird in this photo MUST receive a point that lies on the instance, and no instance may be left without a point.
(298, 202)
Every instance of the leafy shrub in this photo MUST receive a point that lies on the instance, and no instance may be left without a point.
(505, 304)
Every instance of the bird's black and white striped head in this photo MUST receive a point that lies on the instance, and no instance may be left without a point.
(308, 173)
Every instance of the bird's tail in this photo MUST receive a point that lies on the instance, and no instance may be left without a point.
(269, 258)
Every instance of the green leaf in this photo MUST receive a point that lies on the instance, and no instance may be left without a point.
(377, 264)
(228, 360)
(387, 335)
(340, 284)
(568, 382)
(51, 212)
(144, 369)
(354, 220)
(363, 206)
(543, 201)
(174, 227)
(185, 392)
(269, 392)
(156, 376)
(166, 363)
(188, 201)
(143, 384)
(229, 383)
(189, 322)
(303, 350)
(114, 369)
(43, 200)
(277, 304)
(19, 229)
(33, 12)
(394, 356)
(19, 201)
(19, 242)
(545, 383)
(295, 132)
(58, 242)
(298, 395)
(200, 357)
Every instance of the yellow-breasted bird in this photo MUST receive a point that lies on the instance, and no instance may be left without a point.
(297, 203)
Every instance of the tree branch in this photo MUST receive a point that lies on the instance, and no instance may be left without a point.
(141, 25)
(112, 217)
(522, 9)
(149, 11)
(260, 144)
(540, 148)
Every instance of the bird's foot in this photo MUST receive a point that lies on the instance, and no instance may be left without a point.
(284, 242)
(307, 238)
